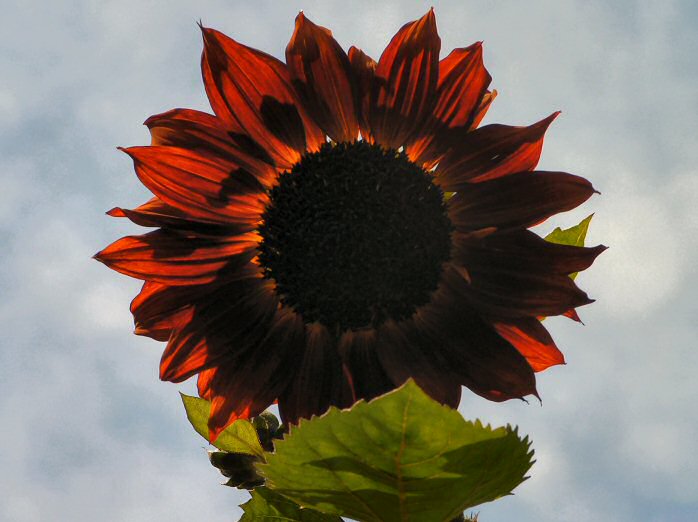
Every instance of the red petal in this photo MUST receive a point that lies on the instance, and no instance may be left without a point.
(404, 351)
(199, 186)
(245, 386)
(358, 351)
(533, 341)
(521, 251)
(157, 213)
(226, 322)
(159, 308)
(463, 81)
(404, 86)
(321, 73)
(491, 152)
(364, 68)
(484, 106)
(572, 314)
(252, 93)
(319, 382)
(208, 135)
(154, 213)
(169, 258)
(203, 383)
(480, 358)
(517, 201)
(499, 289)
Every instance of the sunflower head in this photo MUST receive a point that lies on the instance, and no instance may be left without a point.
(353, 235)
(341, 224)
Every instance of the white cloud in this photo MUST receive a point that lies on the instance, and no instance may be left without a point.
(9, 109)
(646, 261)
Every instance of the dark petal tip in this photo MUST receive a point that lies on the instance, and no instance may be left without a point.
(126, 150)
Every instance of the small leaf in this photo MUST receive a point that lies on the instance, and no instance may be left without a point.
(400, 457)
(571, 236)
(574, 236)
(270, 506)
(239, 437)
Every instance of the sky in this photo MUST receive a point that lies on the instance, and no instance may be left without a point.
(87, 432)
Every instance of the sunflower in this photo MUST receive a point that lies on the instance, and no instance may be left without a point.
(340, 225)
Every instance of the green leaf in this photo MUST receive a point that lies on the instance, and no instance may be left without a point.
(267, 505)
(400, 457)
(239, 437)
(574, 236)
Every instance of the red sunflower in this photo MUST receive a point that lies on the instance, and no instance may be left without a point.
(340, 225)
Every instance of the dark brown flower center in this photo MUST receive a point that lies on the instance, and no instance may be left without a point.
(355, 234)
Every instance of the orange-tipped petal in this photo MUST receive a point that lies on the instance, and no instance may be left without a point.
(533, 341)
(206, 134)
(484, 106)
(159, 308)
(364, 68)
(321, 73)
(157, 213)
(229, 320)
(404, 87)
(251, 381)
(169, 258)
(491, 152)
(479, 357)
(203, 383)
(463, 81)
(251, 91)
(199, 186)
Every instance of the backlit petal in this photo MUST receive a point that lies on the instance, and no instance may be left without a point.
(500, 291)
(199, 186)
(169, 258)
(484, 106)
(160, 308)
(480, 358)
(522, 251)
(404, 86)
(157, 213)
(228, 321)
(249, 383)
(463, 81)
(251, 91)
(319, 382)
(406, 352)
(517, 201)
(491, 152)
(358, 351)
(321, 73)
(364, 68)
(208, 135)
(533, 341)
